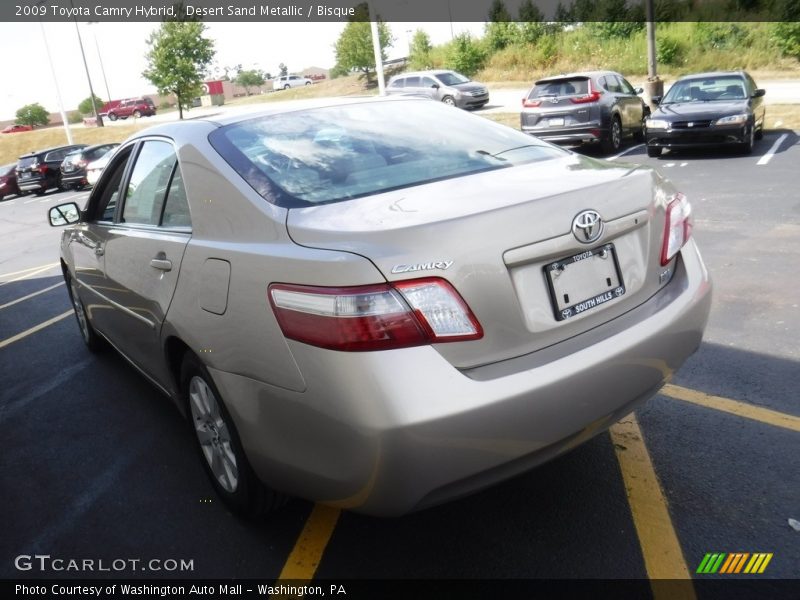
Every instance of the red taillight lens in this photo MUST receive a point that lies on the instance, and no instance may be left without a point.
(678, 228)
(374, 317)
(590, 97)
(531, 103)
(42, 169)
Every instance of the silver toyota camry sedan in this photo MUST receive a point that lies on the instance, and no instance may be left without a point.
(382, 304)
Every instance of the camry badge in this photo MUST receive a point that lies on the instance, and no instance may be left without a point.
(587, 226)
(429, 266)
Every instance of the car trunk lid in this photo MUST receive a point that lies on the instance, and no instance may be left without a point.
(495, 236)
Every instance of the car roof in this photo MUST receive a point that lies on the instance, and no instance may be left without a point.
(426, 72)
(711, 74)
(54, 148)
(94, 147)
(593, 74)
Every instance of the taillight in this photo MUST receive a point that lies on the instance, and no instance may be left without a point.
(374, 317)
(41, 168)
(590, 97)
(531, 103)
(678, 228)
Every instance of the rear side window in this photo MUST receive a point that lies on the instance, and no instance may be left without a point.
(176, 208)
(412, 82)
(148, 183)
(561, 87)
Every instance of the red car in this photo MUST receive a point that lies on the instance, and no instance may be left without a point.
(16, 128)
(135, 107)
(8, 181)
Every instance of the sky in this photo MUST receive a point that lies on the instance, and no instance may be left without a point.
(28, 78)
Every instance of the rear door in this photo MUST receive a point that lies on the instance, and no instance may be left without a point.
(631, 105)
(143, 253)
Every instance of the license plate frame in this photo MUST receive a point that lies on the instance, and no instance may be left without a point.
(608, 284)
(555, 122)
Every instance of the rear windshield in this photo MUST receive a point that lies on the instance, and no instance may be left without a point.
(338, 153)
(706, 90)
(27, 162)
(561, 87)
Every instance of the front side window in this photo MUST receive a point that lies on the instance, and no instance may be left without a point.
(452, 78)
(412, 82)
(147, 187)
(428, 82)
(331, 154)
(109, 194)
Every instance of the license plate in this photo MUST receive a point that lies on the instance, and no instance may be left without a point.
(25, 176)
(555, 122)
(584, 281)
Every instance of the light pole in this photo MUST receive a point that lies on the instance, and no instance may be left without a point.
(100, 58)
(64, 120)
(376, 47)
(98, 118)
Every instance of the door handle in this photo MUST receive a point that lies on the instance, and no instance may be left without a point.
(161, 264)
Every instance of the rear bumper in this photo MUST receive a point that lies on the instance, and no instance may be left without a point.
(572, 136)
(73, 178)
(33, 185)
(693, 138)
(389, 432)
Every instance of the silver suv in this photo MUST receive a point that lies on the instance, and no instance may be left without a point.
(446, 86)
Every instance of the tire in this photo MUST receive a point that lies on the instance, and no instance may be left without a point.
(308, 83)
(449, 100)
(747, 146)
(40, 192)
(287, 86)
(93, 341)
(112, 117)
(639, 134)
(137, 114)
(760, 133)
(218, 444)
(653, 152)
(613, 141)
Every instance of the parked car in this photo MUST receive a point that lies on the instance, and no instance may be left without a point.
(73, 168)
(8, 181)
(16, 128)
(39, 171)
(382, 303)
(708, 109)
(289, 81)
(597, 107)
(135, 107)
(445, 86)
(95, 168)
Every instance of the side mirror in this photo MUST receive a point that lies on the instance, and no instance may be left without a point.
(759, 93)
(639, 90)
(655, 100)
(64, 214)
(435, 86)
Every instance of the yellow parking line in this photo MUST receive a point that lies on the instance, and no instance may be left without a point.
(733, 407)
(34, 329)
(26, 270)
(29, 274)
(661, 550)
(304, 558)
(29, 296)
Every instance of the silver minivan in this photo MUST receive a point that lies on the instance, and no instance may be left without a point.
(445, 86)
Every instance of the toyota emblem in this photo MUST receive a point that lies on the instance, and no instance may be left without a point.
(587, 227)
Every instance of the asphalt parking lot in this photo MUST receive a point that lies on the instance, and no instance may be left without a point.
(97, 464)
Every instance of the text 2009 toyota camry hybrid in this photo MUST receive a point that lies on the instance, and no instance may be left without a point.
(383, 304)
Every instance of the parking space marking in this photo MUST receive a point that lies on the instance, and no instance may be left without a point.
(8, 203)
(31, 200)
(304, 558)
(29, 296)
(34, 329)
(31, 273)
(26, 270)
(663, 557)
(624, 152)
(771, 152)
(733, 407)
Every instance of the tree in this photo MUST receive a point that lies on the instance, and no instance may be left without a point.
(419, 54)
(248, 79)
(500, 31)
(354, 46)
(465, 55)
(33, 114)
(531, 26)
(283, 69)
(177, 59)
(86, 108)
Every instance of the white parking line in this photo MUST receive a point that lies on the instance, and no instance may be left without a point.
(8, 203)
(771, 152)
(29, 296)
(624, 152)
(31, 200)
